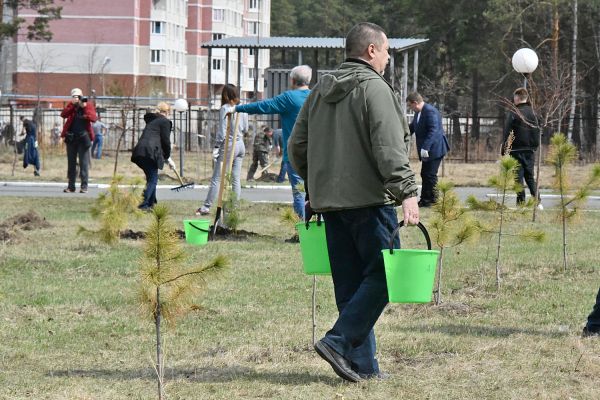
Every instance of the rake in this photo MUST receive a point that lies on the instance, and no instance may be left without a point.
(183, 185)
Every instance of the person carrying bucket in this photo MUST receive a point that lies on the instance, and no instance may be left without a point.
(353, 110)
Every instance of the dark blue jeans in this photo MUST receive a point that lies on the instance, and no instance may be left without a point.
(355, 239)
(151, 171)
(593, 322)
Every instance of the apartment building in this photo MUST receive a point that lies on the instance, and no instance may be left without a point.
(134, 48)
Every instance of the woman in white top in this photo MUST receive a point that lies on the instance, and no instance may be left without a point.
(229, 98)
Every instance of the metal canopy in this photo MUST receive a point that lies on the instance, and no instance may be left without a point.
(281, 42)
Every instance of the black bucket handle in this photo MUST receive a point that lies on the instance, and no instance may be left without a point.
(200, 229)
(397, 231)
(319, 220)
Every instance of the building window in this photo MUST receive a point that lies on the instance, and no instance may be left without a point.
(218, 14)
(253, 4)
(158, 27)
(217, 64)
(156, 56)
(250, 73)
(251, 52)
(252, 28)
(217, 36)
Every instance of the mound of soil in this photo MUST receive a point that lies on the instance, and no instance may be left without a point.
(10, 228)
(267, 177)
(28, 221)
(138, 235)
(221, 234)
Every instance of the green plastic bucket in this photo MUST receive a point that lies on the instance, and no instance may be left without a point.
(196, 231)
(313, 246)
(409, 273)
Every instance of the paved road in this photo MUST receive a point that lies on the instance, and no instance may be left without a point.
(257, 193)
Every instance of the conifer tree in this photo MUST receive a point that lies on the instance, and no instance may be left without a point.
(168, 288)
(560, 156)
(451, 227)
(505, 183)
(113, 209)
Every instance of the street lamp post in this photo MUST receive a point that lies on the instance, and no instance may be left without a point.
(180, 105)
(525, 61)
(105, 62)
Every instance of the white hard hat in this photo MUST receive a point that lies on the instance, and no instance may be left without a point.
(76, 92)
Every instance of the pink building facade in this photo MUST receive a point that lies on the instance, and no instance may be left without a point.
(131, 48)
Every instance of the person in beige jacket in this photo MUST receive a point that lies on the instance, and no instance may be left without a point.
(349, 144)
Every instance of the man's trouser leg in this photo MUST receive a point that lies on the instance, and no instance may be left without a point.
(429, 170)
(355, 239)
(593, 321)
(71, 164)
(83, 152)
(253, 166)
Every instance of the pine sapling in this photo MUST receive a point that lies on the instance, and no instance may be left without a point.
(451, 227)
(504, 182)
(231, 209)
(113, 209)
(560, 156)
(168, 288)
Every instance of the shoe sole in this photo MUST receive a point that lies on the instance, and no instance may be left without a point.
(327, 356)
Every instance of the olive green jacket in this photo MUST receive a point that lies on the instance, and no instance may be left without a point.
(350, 141)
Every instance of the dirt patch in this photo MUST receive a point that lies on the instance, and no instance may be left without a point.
(267, 177)
(293, 239)
(139, 235)
(229, 234)
(221, 234)
(11, 228)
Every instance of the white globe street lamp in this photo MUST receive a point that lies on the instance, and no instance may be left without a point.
(180, 105)
(525, 61)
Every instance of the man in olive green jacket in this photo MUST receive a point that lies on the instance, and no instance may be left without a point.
(349, 144)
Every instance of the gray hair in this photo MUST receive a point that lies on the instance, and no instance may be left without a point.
(361, 36)
(301, 75)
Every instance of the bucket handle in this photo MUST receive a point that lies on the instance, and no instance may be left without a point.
(198, 228)
(319, 220)
(397, 231)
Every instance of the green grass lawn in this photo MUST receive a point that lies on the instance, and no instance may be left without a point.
(72, 328)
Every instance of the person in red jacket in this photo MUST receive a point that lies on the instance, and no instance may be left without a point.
(78, 135)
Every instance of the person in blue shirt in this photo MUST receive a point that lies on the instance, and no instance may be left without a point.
(287, 105)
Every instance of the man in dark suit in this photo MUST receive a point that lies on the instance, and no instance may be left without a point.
(432, 144)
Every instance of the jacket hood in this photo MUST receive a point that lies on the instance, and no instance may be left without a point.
(149, 117)
(333, 87)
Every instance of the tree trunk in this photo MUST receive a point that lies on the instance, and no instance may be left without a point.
(475, 105)
(159, 363)
(438, 287)
(573, 75)
(498, 278)
(314, 310)
(563, 214)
